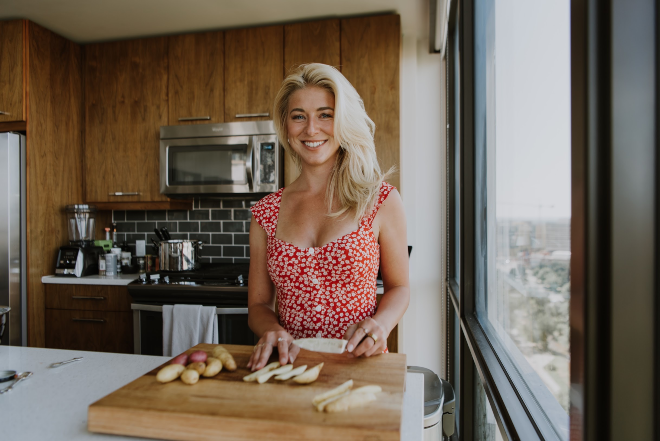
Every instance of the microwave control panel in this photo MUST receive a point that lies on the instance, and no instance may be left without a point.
(267, 163)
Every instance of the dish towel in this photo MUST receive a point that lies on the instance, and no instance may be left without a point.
(185, 326)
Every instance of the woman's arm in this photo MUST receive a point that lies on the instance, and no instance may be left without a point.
(390, 229)
(261, 306)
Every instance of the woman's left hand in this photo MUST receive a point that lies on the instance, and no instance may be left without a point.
(374, 343)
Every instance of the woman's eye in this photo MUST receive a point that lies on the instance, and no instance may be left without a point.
(297, 117)
(326, 115)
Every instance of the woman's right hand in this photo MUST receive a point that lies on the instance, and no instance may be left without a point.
(280, 339)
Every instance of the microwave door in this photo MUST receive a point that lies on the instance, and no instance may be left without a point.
(206, 165)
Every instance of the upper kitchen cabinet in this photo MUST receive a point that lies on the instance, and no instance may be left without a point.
(310, 42)
(370, 52)
(253, 72)
(12, 70)
(196, 79)
(125, 106)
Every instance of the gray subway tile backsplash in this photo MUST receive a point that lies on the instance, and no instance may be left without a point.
(221, 224)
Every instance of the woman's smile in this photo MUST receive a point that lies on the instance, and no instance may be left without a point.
(314, 144)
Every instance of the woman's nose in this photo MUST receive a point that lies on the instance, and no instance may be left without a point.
(312, 128)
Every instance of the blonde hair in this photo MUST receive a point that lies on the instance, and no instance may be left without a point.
(356, 177)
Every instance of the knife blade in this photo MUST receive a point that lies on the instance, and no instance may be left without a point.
(327, 345)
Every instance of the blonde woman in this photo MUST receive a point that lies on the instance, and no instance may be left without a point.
(317, 244)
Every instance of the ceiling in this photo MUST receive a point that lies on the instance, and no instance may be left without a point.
(86, 21)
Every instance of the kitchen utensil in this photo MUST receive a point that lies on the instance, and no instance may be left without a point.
(328, 345)
(166, 234)
(19, 377)
(6, 375)
(158, 234)
(234, 409)
(179, 254)
(73, 360)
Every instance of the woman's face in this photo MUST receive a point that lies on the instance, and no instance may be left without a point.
(310, 125)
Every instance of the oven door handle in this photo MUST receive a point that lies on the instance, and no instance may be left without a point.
(159, 308)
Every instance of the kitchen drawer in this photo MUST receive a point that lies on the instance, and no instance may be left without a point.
(88, 297)
(99, 331)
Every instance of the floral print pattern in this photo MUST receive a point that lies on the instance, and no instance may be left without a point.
(321, 291)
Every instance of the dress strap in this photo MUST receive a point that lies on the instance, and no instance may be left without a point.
(267, 210)
(385, 190)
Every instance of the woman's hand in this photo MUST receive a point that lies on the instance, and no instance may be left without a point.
(374, 343)
(280, 339)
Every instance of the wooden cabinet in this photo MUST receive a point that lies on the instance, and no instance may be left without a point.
(196, 78)
(12, 70)
(89, 318)
(125, 106)
(253, 72)
(370, 53)
(310, 42)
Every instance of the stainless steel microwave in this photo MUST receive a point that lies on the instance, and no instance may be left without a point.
(220, 159)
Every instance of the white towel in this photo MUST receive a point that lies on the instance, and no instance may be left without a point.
(185, 326)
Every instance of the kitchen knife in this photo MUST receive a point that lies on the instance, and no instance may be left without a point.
(328, 345)
(158, 235)
(166, 234)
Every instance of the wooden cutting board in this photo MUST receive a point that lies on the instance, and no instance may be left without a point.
(227, 408)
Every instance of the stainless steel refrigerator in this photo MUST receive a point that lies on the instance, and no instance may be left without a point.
(13, 268)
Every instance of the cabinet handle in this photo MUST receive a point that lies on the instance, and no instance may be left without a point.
(87, 298)
(251, 115)
(88, 320)
(194, 118)
(125, 193)
(4, 113)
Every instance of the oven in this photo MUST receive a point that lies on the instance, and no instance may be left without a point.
(221, 285)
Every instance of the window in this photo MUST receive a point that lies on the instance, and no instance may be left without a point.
(523, 194)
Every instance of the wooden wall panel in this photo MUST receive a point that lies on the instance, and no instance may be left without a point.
(12, 72)
(196, 78)
(370, 53)
(253, 71)
(125, 106)
(54, 158)
(310, 42)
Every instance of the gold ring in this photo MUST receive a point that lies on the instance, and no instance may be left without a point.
(373, 337)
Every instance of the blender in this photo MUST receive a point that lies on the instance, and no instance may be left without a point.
(80, 257)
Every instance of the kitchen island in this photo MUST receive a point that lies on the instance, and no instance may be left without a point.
(52, 404)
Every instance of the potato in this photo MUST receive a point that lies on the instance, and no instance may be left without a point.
(309, 376)
(297, 371)
(281, 370)
(269, 367)
(190, 376)
(170, 372)
(199, 367)
(213, 366)
(225, 357)
(180, 359)
(350, 401)
(345, 387)
(198, 357)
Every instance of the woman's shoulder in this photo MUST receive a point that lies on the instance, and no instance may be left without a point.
(267, 201)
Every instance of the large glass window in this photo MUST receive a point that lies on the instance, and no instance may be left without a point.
(523, 194)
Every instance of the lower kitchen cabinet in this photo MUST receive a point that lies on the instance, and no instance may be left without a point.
(89, 318)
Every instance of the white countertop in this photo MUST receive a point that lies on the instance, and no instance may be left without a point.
(52, 404)
(122, 280)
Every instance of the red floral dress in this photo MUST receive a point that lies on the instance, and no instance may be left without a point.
(321, 291)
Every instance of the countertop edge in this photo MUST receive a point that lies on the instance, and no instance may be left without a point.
(122, 280)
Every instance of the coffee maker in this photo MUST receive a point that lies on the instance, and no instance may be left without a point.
(79, 258)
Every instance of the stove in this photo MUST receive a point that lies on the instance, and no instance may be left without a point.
(221, 285)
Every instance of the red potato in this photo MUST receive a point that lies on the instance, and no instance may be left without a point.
(180, 359)
(198, 357)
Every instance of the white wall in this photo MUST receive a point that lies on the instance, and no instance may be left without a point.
(422, 168)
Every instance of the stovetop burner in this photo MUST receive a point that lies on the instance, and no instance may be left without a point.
(218, 274)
